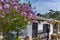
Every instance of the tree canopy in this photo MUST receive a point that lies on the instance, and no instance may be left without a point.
(14, 14)
(52, 14)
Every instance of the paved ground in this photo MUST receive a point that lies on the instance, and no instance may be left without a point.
(44, 36)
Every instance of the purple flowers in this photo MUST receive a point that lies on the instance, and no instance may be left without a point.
(1, 7)
(15, 3)
(1, 0)
(6, 6)
(4, 0)
(34, 21)
(26, 7)
(32, 16)
(23, 14)
(12, 6)
(7, 0)
(16, 8)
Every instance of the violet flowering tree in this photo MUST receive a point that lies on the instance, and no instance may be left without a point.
(13, 15)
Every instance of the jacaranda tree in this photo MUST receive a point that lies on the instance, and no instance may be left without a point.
(15, 15)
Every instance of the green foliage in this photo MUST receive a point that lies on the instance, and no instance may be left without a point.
(52, 14)
(12, 16)
(10, 22)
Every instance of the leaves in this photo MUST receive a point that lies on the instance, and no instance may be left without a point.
(52, 14)
(11, 18)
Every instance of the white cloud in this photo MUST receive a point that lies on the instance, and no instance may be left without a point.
(43, 7)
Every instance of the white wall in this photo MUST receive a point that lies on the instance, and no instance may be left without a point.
(29, 30)
(51, 30)
(40, 27)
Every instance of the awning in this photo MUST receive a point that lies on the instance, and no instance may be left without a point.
(48, 20)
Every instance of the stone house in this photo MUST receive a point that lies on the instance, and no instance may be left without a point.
(34, 29)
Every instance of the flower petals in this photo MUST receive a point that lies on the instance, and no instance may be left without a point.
(6, 6)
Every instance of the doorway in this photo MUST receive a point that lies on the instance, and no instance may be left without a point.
(34, 29)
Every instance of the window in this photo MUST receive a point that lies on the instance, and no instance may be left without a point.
(46, 27)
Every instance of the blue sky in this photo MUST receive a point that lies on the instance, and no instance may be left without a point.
(43, 6)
